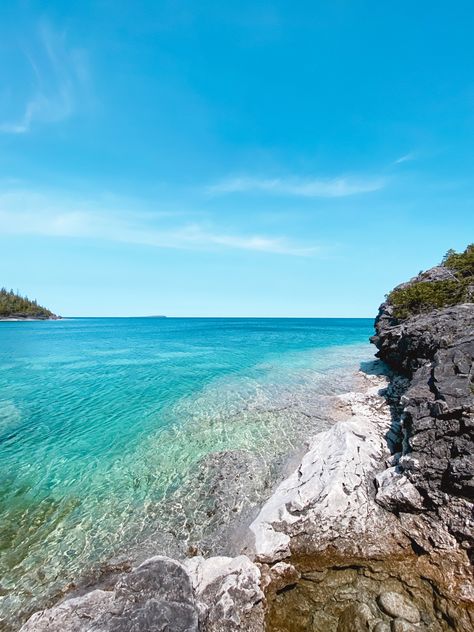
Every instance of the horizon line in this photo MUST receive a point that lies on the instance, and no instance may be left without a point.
(164, 317)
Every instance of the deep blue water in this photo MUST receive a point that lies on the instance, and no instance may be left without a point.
(103, 420)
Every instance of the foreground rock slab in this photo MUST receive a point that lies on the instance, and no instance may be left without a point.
(155, 596)
(396, 605)
(218, 594)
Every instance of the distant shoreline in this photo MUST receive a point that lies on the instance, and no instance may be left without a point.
(20, 319)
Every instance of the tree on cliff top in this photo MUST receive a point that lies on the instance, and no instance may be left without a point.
(461, 263)
(423, 296)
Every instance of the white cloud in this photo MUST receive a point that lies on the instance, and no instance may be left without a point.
(410, 156)
(60, 78)
(316, 187)
(25, 213)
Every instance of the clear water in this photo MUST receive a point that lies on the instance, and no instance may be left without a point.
(104, 424)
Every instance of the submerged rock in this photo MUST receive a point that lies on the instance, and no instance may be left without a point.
(397, 605)
(355, 618)
(400, 625)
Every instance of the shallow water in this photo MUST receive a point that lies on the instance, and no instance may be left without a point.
(105, 425)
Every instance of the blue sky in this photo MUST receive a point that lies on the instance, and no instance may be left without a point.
(232, 158)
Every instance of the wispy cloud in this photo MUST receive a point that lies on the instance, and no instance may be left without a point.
(405, 158)
(30, 214)
(312, 187)
(60, 76)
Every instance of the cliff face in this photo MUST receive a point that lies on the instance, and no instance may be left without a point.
(435, 351)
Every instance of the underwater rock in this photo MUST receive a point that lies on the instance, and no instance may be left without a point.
(397, 605)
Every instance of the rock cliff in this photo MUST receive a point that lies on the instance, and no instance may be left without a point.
(436, 452)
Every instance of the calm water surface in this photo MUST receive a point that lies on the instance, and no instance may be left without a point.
(104, 421)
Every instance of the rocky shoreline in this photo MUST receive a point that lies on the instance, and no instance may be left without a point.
(326, 554)
(18, 318)
(235, 593)
(372, 531)
(26, 320)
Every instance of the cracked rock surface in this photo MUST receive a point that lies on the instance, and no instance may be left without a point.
(228, 593)
(330, 498)
(436, 352)
(155, 596)
(163, 595)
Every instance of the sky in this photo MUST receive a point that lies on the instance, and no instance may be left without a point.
(232, 158)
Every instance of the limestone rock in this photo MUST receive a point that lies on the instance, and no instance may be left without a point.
(228, 593)
(73, 615)
(155, 596)
(280, 576)
(330, 497)
(400, 625)
(436, 352)
(396, 493)
(219, 594)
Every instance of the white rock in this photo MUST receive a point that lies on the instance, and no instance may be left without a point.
(330, 495)
(73, 615)
(227, 592)
(157, 595)
(395, 491)
(400, 625)
(281, 575)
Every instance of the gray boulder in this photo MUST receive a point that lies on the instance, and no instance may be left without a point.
(218, 594)
(156, 596)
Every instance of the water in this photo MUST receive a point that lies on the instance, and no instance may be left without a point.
(106, 427)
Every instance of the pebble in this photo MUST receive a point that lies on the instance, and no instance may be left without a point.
(400, 625)
(355, 618)
(397, 605)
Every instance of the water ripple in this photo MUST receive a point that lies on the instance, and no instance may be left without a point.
(112, 432)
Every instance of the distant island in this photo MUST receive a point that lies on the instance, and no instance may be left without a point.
(13, 306)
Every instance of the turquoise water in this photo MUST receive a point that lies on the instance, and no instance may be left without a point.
(105, 424)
